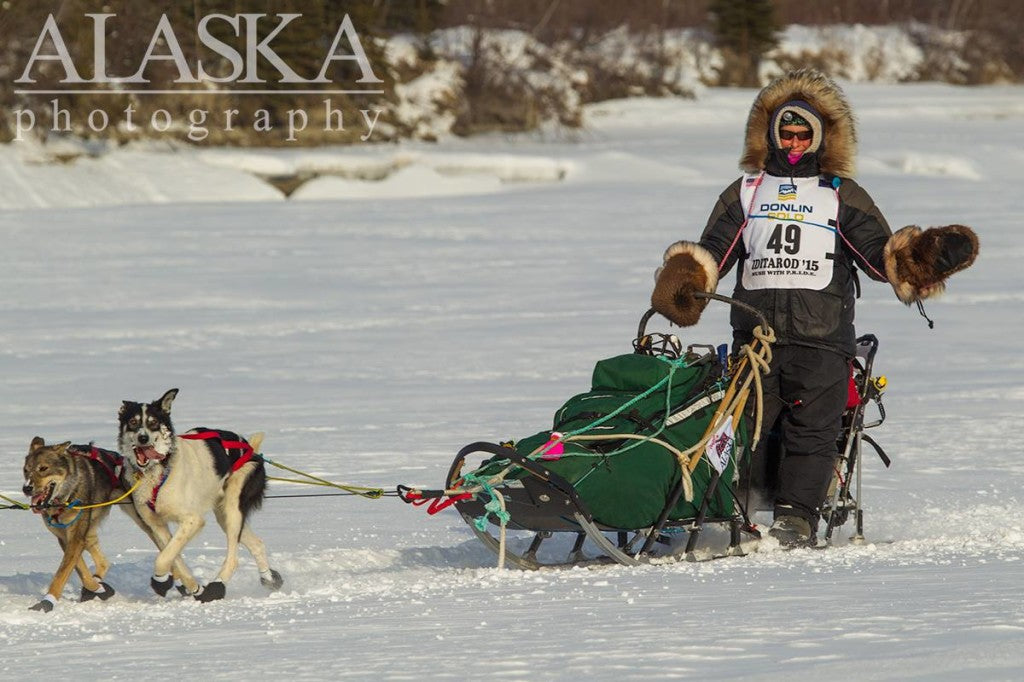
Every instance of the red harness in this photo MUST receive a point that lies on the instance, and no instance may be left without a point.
(239, 450)
(111, 462)
(235, 447)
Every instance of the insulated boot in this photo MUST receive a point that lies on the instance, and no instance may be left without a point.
(791, 531)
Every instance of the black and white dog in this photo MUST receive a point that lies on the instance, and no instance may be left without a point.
(184, 477)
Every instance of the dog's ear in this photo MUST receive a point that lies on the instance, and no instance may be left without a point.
(167, 399)
(36, 443)
(124, 408)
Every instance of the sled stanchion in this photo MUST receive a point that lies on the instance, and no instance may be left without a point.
(695, 529)
(576, 553)
(858, 511)
(656, 528)
(531, 553)
(847, 466)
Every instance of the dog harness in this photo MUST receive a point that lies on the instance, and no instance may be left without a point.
(230, 452)
(224, 444)
(111, 462)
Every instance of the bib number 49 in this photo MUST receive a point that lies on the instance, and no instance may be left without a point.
(785, 238)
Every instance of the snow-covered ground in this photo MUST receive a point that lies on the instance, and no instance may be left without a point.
(374, 327)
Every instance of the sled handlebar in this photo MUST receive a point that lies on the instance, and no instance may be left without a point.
(762, 320)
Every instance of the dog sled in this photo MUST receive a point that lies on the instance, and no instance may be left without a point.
(656, 454)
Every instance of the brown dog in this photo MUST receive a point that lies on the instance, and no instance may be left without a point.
(61, 481)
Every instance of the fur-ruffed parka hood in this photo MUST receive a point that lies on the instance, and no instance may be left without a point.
(837, 155)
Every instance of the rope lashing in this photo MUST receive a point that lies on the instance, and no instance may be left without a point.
(673, 365)
(680, 455)
(754, 363)
(495, 506)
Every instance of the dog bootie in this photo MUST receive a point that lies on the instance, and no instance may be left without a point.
(105, 592)
(45, 604)
(161, 587)
(272, 581)
(211, 592)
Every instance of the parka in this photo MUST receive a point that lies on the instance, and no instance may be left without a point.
(817, 317)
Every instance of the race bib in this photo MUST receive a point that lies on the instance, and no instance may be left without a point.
(790, 234)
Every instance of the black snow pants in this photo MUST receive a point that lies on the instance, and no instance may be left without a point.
(805, 394)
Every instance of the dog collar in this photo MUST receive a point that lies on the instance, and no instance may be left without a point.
(53, 523)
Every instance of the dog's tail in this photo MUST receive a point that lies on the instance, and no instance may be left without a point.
(255, 487)
(253, 491)
(255, 440)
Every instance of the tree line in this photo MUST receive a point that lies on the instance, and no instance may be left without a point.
(743, 31)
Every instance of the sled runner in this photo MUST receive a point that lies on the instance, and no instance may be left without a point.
(642, 463)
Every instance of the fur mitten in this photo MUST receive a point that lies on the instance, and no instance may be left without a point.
(688, 268)
(917, 262)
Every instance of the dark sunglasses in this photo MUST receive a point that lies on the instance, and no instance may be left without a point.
(803, 135)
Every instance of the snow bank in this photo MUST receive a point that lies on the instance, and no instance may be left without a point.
(417, 181)
(30, 177)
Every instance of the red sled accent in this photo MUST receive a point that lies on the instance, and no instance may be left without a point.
(443, 503)
(852, 395)
(437, 503)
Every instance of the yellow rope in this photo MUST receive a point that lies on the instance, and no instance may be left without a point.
(370, 493)
(680, 455)
(298, 480)
(138, 480)
(19, 505)
(755, 362)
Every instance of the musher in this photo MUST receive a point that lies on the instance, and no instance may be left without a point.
(799, 227)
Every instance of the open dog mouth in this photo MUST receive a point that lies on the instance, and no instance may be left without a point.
(146, 454)
(41, 501)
